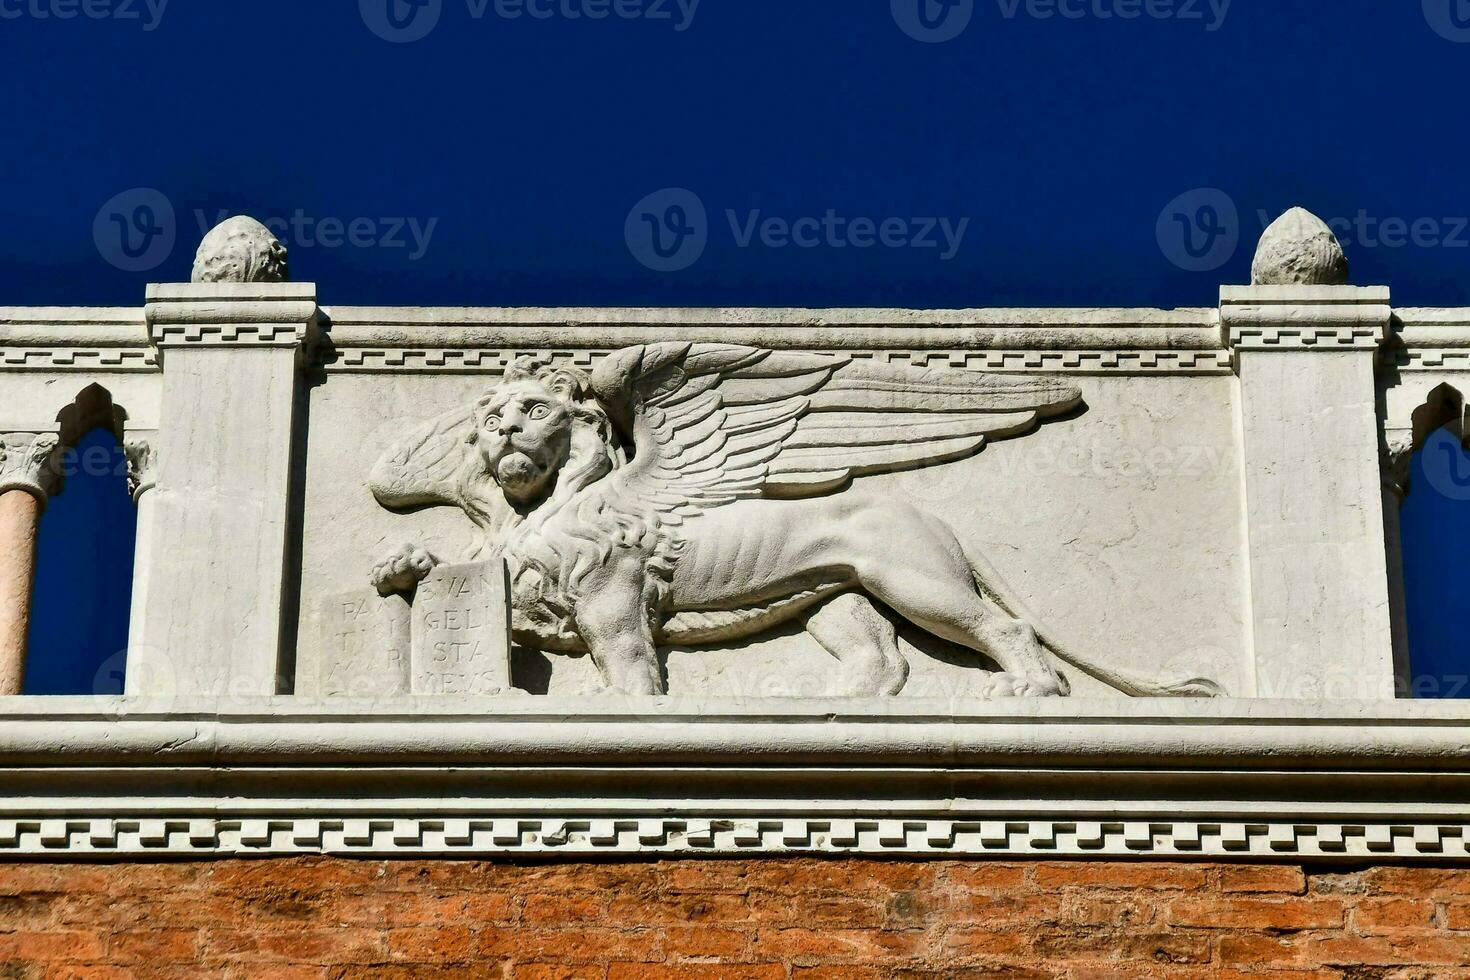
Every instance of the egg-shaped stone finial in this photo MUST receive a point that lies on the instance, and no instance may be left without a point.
(240, 249)
(1298, 249)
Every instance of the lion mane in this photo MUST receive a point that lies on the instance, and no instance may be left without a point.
(553, 547)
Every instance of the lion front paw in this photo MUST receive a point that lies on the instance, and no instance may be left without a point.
(1021, 686)
(402, 571)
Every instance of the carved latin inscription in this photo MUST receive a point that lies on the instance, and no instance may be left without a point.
(461, 630)
(367, 643)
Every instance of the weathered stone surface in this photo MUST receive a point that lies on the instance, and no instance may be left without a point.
(461, 630)
(240, 249)
(1298, 249)
(368, 639)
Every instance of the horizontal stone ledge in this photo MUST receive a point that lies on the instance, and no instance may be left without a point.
(1115, 734)
(60, 326)
(1022, 329)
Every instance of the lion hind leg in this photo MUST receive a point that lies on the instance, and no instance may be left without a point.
(864, 642)
(943, 603)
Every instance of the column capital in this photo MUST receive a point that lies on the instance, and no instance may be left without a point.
(231, 314)
(1305, 318)
(142, 467)
(28, 461)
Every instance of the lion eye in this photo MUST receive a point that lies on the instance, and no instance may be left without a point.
(540, 412)
(492, 421)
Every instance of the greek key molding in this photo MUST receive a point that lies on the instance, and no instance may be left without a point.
(229, 334)
(449, 836)
(374, 360)
(78, 359)
(1307, 338)
(1433, 359)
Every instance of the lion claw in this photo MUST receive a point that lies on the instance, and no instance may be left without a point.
(402, 571)
(1005, 685)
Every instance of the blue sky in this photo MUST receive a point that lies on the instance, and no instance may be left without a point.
(843, 152)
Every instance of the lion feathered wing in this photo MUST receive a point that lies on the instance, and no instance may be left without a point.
(714, 423)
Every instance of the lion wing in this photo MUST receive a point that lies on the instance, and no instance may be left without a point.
(712, 423)
(427, 466)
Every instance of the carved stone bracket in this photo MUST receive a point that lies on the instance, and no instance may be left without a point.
(28, 461)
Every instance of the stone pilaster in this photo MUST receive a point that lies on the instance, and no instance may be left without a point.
(1306, 356)
(213, 598)
(27, 478)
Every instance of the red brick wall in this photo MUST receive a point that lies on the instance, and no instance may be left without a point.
(319, 918)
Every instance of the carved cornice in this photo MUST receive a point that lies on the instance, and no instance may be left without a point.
(1220, 779)
(257, 314)
(28, 461)
(1305, 318)
(391, 360)
(724, 833)
(100, 339)
(1081, 341)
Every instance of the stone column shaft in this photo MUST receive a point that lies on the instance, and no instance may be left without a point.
(1314, 500)
(26, 474)
(215, 537)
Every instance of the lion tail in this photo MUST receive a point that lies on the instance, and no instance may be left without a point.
(989, 582)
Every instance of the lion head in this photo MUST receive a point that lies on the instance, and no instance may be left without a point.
(541, 430)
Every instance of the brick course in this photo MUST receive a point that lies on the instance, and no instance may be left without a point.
(799, 918)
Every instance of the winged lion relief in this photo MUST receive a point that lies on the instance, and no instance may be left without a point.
(695, 493)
